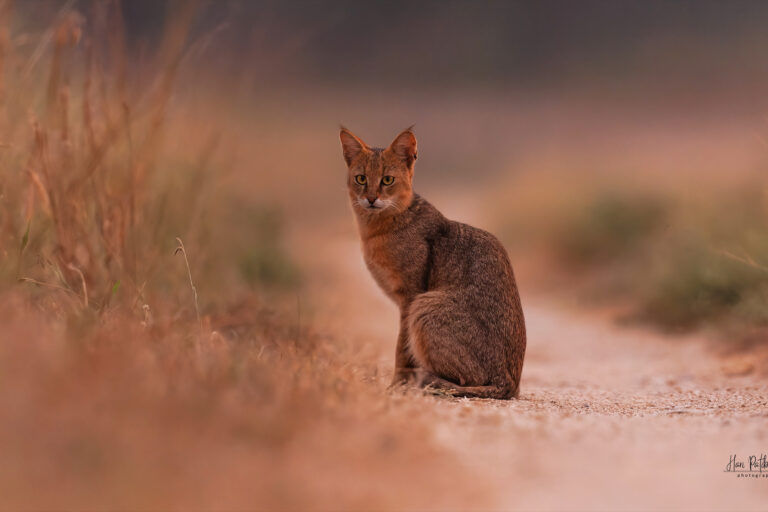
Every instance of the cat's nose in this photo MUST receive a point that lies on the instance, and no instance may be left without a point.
(371, 201)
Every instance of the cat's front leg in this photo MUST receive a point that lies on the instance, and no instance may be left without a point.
(404, 363)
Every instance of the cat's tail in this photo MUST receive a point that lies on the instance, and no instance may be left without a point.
(440, 386)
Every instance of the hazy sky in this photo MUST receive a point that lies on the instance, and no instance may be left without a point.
(438, 42)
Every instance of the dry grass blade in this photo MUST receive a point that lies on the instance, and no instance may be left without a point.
(180, 249)
(741, 259)
(42, 45)
(47, 285)
(22, 246)
(82, 281)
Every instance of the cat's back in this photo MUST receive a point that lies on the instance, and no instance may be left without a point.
(470, 257)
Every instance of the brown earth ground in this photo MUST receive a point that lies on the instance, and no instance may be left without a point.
(609, 417)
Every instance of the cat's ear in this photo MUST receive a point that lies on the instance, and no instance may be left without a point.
(351, 145)
(404, 146)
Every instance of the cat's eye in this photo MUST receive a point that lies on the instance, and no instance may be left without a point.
(360, 179)
(387, 180)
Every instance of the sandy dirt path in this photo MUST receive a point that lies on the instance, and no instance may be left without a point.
(608, 418)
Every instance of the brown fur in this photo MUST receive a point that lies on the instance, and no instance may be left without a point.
(461, 323)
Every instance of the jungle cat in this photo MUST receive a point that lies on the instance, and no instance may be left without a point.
(462, 329)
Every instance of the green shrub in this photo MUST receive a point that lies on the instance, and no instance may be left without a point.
(261, 257)
(707, 266)
(696, 284)
(609, 227)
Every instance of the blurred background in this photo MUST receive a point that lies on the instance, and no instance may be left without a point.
(182, 296)
(605, 134)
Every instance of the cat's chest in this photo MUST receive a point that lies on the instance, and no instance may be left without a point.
(395, 265)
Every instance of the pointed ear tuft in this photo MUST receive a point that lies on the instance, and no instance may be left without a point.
(351, 145)
(404, 146)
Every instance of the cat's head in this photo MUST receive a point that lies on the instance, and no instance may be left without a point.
(379, 180)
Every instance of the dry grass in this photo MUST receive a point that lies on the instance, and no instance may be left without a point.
(120, 387)
(81, 161)
(93, 198)
(102, 413)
